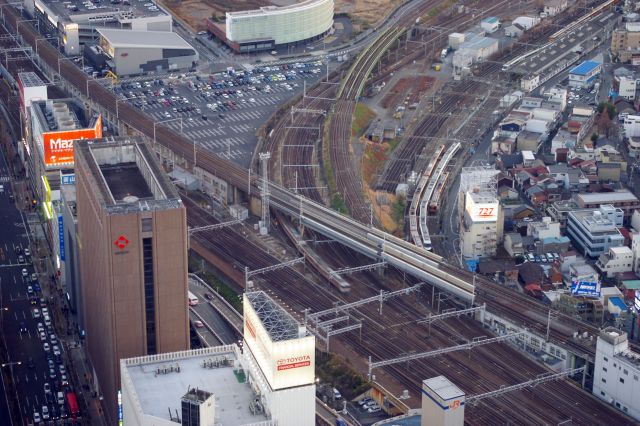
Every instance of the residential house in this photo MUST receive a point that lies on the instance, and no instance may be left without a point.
(615, 260)
(546, 228)
(529, 141)
(553, 7)
(513, 244)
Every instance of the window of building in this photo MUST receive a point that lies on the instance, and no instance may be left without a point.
(606, 359)
(147, 225)
(602, 393)
(149, 298)
(625, 409)
(618, 404)
(621, 380)
(604, 380)
(604, 369)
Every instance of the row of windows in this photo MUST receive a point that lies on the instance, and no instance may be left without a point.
(150, 309)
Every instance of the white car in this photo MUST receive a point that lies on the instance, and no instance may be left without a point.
(46, 347)
(40, 328)
(36, 313)
(36, 418)
(25, 273)
(45, 412)
(252, 100)
(43, 337)
(56, 350)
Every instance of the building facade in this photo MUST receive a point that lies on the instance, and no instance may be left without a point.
(272, 26)
(585, 74)
(615, 260)
(592, 232)
(625, 43)
(621, 199)
(133, 239)
(75, 23)
(139, 52)
(481, 225)
(616, 375)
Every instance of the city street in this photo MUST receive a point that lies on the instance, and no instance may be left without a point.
(33, 357)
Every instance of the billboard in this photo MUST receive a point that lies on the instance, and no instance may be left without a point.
(636, 302)
(585, 288)
(482, 212)
(58, 146)
(284, 363)
(61, 236)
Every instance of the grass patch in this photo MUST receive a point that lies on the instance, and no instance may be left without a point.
(215, 283)
(332, 369)
(362, 116)
(338, 204)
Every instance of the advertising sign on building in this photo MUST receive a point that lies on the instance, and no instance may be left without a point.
(284, 363)
(68, 179)
(58, 146)
(585, 288)
(61, 236)
(636, 303)
(482, 212)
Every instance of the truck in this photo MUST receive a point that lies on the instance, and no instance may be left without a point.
(444, 53)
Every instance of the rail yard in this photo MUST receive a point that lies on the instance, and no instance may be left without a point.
(384, 316)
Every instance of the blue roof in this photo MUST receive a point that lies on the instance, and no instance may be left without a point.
(585, 68)
(490, 20)
(618, 302)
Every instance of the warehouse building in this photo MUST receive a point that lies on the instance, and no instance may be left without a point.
(271, 26)
(75, 22)
(140, 52)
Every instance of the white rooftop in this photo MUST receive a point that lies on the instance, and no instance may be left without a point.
(607, 197)
(142, 39)
(158, 392)
(443, 387)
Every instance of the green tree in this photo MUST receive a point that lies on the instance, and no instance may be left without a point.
(398, 208)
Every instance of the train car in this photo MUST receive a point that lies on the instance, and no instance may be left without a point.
(438, 196)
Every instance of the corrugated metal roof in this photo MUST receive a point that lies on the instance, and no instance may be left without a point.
(618, 302)
(585, 68)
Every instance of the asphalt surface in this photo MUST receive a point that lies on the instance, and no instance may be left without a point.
(211, 318)
(23, 350)
(229, 130)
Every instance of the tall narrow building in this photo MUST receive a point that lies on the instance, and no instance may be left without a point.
(132, 235)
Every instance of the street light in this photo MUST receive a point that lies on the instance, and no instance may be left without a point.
(164, 121)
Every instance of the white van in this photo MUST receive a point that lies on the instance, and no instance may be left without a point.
(47, 320)
(60, 398)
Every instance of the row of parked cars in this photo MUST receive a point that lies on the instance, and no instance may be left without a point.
(542, 258)
(369, 405)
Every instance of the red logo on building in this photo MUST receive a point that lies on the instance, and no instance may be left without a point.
(121, 242)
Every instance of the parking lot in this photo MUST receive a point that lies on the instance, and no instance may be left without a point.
(221, 112)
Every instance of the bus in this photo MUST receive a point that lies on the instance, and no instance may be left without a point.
(193, 300)
(72, 405)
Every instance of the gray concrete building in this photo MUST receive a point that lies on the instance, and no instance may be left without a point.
(140, 52)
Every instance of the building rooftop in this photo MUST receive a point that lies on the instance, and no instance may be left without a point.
(269, 10)
(81, 11)
(279, 323)
(131, 38)
(490, 20)
(443, 387)
(126, 175)
(161, 381)
(125, 180)
(618, 303)
(619, 196)
(595, 221)
(561, 51)
(585, 68)
(60, 114)
(30, 79)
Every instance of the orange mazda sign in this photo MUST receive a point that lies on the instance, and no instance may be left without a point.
(58, 146)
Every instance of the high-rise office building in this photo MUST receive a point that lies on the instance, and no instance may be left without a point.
(132, 237)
